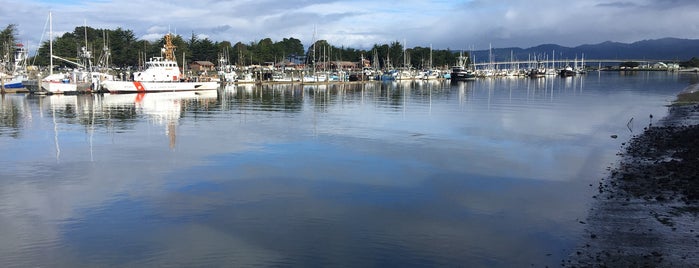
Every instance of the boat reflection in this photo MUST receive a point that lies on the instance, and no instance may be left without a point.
(160, 108)
(119, 111)
(14, 111)
(114, 111)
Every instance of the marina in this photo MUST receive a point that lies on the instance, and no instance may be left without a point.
(349, 134)
(493, 172)
(164, 74)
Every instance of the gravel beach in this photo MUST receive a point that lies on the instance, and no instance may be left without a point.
(645, 213)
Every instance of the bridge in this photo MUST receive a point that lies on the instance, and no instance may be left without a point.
(569, 62)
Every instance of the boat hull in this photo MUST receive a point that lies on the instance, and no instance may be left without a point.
(14, 85)
(64, 88)
(462, 76)
(144, 87)
(567, 73)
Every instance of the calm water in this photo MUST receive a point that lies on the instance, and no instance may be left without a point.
(494, 172)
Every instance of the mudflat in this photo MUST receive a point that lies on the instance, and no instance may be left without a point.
(646, 209)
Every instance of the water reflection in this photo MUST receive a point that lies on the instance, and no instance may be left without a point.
(13, 113)
(492, 172)
(160, 109)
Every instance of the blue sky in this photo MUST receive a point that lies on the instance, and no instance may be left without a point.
(463, 24)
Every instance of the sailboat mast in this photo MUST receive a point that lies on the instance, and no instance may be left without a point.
(430, 56)
(50, 44)
(87, 54)
(314, 50)
(405, 54)
(85, 28)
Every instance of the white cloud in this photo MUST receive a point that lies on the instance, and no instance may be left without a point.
(360, 24)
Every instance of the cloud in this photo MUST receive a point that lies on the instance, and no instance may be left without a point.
(156, 29)
(617, 4)
(361, 24)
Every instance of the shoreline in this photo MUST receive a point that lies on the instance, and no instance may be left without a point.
(646, 209)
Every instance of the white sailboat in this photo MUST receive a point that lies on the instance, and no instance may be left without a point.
(60, 83)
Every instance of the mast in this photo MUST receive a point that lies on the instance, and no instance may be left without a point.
(405, 54)
(104, 59)
(85, 32)
(86, 52)
(313, 45)
(50, 44)
(388, 59)
(430, 56)
(375, 60)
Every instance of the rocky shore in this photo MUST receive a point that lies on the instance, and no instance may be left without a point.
(645, 214)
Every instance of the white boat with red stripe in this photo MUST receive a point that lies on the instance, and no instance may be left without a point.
(162, 74)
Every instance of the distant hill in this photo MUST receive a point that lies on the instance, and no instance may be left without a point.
(656, 49)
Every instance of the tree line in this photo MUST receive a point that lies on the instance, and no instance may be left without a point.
(125, 50)
(693, 62)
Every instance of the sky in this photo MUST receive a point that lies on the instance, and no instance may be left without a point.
(442, 24)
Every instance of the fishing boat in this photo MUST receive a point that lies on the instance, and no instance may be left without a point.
(12, 81)
(459, 72)
(162, 74)
(567, 71)
(18, 71)
(537, 73)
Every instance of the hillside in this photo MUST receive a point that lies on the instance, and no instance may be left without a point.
(656, 49)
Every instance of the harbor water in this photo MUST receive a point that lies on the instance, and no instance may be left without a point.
(494, 172)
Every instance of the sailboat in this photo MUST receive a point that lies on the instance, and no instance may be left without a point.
(431, 73)
(162, 74)
(62, 83)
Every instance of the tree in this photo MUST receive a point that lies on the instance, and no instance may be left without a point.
(291, 46)
(396, 53)
(8, 38)
(204, 49)
(693, 62)
(264, 51)
(124, 47)
(381, 52)
(446, 58)
(240, 52)
(128, 51)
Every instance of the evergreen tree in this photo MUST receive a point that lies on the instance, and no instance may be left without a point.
(8, 39)
(128, 51)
